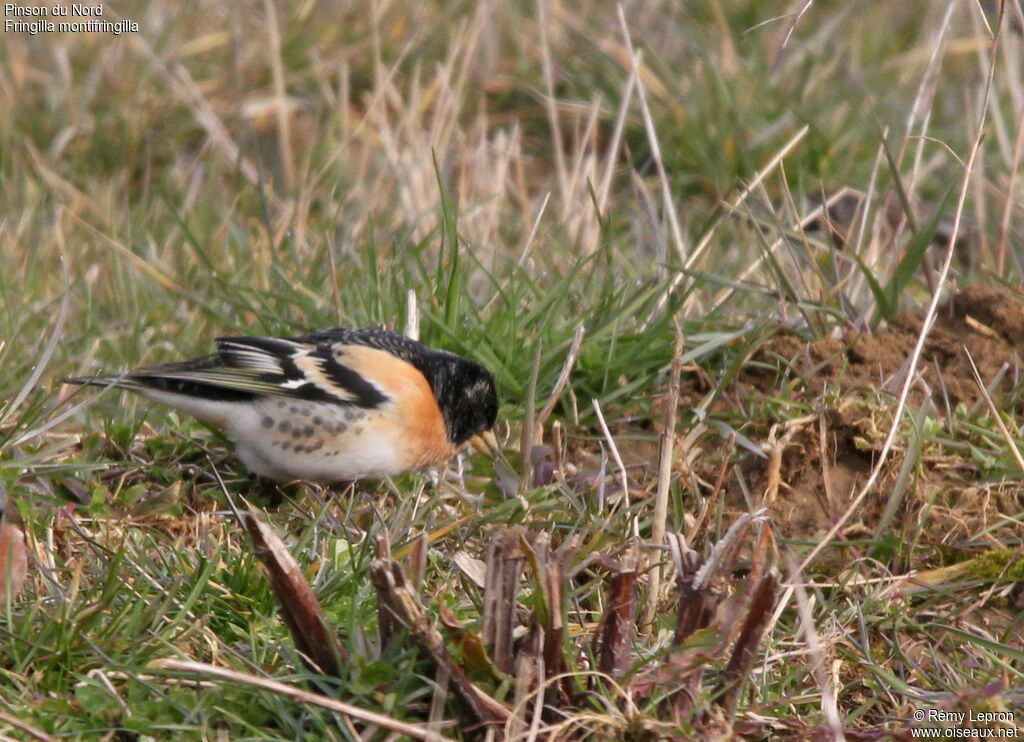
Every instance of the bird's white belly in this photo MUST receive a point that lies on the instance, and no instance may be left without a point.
(286, 439)
(374, 458)
(314, 441)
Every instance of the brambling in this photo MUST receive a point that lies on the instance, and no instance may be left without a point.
(341, 404)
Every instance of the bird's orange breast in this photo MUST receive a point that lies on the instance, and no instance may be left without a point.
(412, 419)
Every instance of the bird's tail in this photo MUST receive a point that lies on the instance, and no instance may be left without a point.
(123, 381)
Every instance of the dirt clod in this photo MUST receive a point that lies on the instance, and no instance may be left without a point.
(853, 380)
(986, 323)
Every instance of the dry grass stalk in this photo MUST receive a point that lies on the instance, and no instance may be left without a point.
(550, 582)
(665, 453)
(619, 465)
(504, 565)
(284, 136)
(551, 568)
(1011, 444)
(560, 384)
(693, 610)
(393, 587)
(530, 676)
(745, 652)
(388, 624)
(816, 651)
(415, 731)
(299, 606)
(618, 626)
(417, 562)
(652, 137)
(527, 437)
(702, 588)
(412, 315)
(25, 728)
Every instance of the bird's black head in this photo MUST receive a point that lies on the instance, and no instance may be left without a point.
(466, 395)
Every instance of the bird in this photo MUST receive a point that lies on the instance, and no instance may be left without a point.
(338, 405)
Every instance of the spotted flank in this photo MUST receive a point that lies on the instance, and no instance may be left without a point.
(341, 404)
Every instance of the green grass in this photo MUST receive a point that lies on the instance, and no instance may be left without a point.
(196, 180)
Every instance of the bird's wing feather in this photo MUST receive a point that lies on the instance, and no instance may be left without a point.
(247, 366)
(297, 368)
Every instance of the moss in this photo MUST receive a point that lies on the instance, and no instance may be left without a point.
(998, 564)
(1005, 565)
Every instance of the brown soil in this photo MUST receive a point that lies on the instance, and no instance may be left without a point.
(852, 383)
(988, 323)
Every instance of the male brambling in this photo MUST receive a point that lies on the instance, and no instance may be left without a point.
(336, 405)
